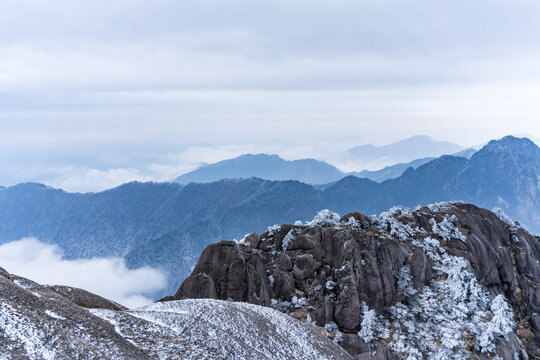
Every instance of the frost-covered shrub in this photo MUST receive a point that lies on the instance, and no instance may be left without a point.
(338, 337)
(447, 228)
(404, 281)
(436, 207)
(501, 324)
(281, 305)
(387, 223)
(333, 329)
(325, 218)
(502, 215)
(273, 229)
(439, 321)
(291, 235)
(297, 302)
(331, 326)
(513, 225)
(352, 224)
(432, 247)
(243, 240)
(330, 284)
(369, 323)
(288, 306)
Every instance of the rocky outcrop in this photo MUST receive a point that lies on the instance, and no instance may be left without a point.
(450, 280)
(43, 322)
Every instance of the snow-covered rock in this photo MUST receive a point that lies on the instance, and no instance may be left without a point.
(38, 322)
(444, 281)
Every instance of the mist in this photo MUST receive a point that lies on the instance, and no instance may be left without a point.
(108, 277)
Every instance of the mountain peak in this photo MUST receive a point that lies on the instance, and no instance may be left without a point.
(512, 141)
(265, 166)
(32, 186)
(403, 151)
(258, 156)
(522, 148)
(417, 137)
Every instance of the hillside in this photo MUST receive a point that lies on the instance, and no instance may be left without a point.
(168, 225)
(52, 322)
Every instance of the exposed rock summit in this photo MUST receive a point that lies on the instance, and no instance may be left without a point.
(447, 281)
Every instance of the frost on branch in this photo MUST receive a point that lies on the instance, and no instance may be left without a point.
(325, 218)
(448, 319)
(513, 225)
(352, 224)
(404, 281)
(369, 323)
(388, 223)
(436, 207)
(507, 219)
(330, 284)
(291, 235)
(273, 229)
(501, 324)
(447, 228)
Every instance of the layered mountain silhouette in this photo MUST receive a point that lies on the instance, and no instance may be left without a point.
(415, 147)
(310, 171)
(168, 224)
(269, 167)
(392, 171)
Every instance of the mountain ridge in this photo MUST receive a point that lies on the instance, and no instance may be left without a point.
(168, 224)
(406, 150)
(310, 171)
(270, 167)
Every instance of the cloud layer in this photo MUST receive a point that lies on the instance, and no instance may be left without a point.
(107, 277)
(101, 91)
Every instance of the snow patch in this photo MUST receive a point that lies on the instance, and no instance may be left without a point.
(54, 315)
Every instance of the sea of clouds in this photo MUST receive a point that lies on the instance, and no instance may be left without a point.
(105, 276)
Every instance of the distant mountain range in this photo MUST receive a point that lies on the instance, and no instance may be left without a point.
(311, 171)
(168, 224)
(269, 167)
(415, 147)
(394, 171)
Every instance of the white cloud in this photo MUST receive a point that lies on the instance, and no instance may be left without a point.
(115, 81)
(107, 277)
(74, 179)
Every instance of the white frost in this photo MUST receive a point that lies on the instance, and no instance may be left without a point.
(325, 218)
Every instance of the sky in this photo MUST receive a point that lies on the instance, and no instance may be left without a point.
(97, 93)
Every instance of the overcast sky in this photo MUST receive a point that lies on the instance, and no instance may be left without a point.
(95, 93)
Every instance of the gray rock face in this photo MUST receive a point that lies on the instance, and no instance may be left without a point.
(356, 278)
(44, 322)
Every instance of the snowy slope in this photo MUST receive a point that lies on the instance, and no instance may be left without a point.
(42, 322)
